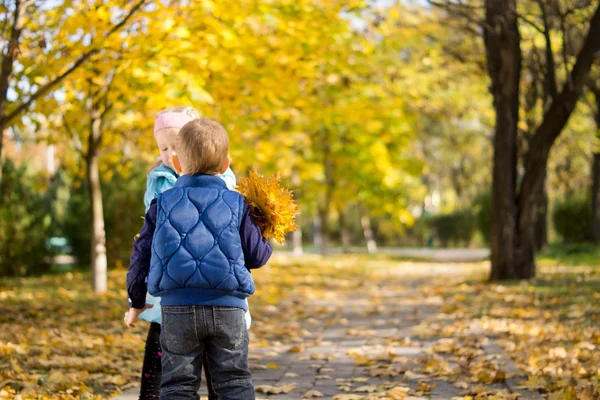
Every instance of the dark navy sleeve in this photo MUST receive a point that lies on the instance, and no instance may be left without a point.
(257, 250)
(139, 264)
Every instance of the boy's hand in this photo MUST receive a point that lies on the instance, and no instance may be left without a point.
(132, 315)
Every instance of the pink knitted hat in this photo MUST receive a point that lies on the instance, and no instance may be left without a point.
(171, 120)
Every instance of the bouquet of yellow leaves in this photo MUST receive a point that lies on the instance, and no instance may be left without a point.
(272, 207)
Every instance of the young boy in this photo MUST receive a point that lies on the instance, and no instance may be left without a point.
(196, 248)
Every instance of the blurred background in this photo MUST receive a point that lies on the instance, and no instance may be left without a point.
(379, 115)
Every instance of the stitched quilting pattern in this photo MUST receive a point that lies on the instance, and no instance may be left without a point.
(197, 242)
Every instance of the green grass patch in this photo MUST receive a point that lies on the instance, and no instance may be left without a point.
(582, 254)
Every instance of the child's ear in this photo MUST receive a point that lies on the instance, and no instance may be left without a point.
(226, 165)
(176, 163)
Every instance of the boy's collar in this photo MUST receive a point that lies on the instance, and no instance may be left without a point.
(201, 180)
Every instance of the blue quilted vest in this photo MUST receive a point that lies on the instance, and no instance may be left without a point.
(197, 256)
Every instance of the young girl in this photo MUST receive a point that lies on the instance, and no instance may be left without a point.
(162, 177)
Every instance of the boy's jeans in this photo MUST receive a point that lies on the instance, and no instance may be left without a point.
(188, 332)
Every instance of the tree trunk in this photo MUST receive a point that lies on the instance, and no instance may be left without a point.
(365, 221)
(6, 69)
(98, 242)
(2, 125)
(324, 216)
(596, 178)
(344, 233)
(98, 239)
(329, 187)
(514, 218)
(541, 224)
(297, 242)
(503, 51)
(317, 232)
(297, 234)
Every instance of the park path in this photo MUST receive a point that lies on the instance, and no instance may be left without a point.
(418, 253)
(373, 321)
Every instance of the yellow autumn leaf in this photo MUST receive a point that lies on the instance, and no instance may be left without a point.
(269, 389)
(398, 393)
(312, 394)
(296, 349)
(365, 389)
(272, 206)
(347, 397)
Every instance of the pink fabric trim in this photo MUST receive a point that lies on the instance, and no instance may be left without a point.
(171, 120)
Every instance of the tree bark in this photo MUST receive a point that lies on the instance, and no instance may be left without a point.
(98, 240)
(6, 70)
(297, 234)
(98, 106)
(323, 217)
(503, 51)
(541, 225)
(596, 177)
(365, 221)
(344, 233)
(328, 195)
(317, 232)
(298, 250)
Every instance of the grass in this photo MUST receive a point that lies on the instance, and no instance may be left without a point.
(583, 254)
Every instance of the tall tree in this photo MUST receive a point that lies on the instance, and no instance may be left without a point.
(36, 38)
(520, 166)
(514, 215)
(595, 89)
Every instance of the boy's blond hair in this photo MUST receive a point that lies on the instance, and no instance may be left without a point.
(202, 147)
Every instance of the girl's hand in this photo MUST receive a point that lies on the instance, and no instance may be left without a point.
(132, 315)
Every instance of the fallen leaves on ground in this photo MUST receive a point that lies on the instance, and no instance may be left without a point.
(312, 394)
(548, 326)
(59, 340)
(271, 389)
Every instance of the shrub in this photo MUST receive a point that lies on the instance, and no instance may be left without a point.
(76, 226)
(123, 201)
(25, 221)
(572, 218)
(454, 228)
(420, 234)
(124, 210)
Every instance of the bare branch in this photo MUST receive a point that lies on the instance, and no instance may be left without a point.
(563, 28)
(594, 87)
(462, 10)
(76, 141)
(531, 23)
(456, 55)
(563, 105)
(550, 73)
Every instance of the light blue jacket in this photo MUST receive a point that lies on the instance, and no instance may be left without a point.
(163, 178)
(160, 179)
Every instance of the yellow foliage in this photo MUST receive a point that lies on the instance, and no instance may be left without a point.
(272, 206)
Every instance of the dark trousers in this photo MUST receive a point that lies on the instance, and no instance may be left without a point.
(191, 334)
(152, 368)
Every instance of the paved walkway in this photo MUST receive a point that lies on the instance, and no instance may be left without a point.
(320, 352)
(418, 253)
